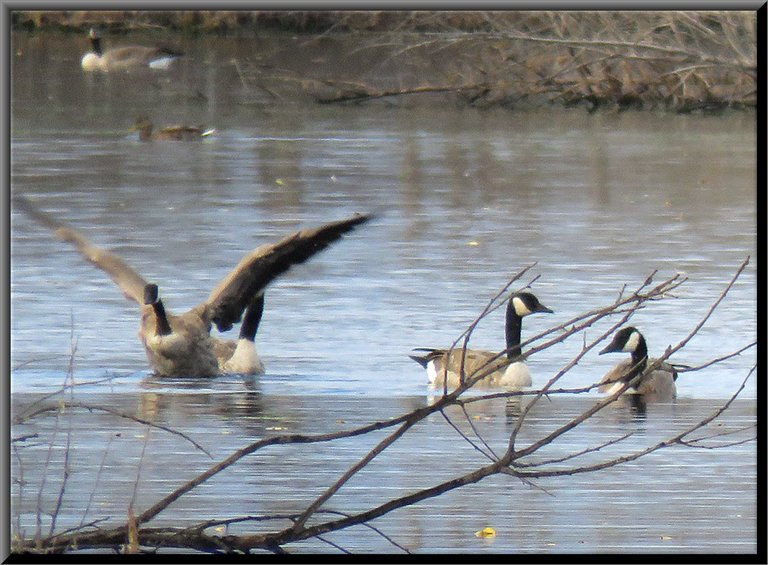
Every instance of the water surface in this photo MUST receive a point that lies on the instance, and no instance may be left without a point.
(464, 198)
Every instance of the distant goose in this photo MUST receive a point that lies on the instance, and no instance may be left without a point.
(506, 373)
(658, 385)
(127, 57)
(170, 133)
(181, 345)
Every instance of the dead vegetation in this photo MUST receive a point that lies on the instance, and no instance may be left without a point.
(521, 460)
(680, 61)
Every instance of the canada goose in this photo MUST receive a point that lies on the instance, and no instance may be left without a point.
(170, 133)
(658, 385)
(125, 58)
(507, 372)
(181, 345)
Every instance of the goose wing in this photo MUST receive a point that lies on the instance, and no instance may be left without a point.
(137, 55)
(262, 265)
(473, 359)
(178, 129)
(130, 282)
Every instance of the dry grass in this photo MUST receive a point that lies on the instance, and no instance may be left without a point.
(674, 60)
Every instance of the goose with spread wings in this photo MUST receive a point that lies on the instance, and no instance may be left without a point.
(181, 344)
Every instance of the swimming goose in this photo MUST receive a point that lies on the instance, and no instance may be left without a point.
(169, 133)
(506, 373)
(658, 385)
(125, 58)
(181, 345)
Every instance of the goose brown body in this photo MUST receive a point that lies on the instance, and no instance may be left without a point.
(445, 365)
(656, 385)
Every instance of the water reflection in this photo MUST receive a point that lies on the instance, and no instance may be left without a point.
(283, 479)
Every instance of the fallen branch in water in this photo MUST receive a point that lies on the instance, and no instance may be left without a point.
(314, 520)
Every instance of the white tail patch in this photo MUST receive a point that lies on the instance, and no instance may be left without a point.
(517, 375)
(632, 342)
(245, 359)
(521, 308)
(163, 63)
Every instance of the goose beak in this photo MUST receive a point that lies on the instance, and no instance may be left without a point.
(610, 348)
(542, 308)
(150, 294)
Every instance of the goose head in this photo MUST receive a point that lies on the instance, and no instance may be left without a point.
(627, 340)
(520, 305)
(525, 303)
(144, 126)
(95, 38)
(151, 298)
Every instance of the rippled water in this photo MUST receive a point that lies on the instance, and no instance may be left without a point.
(464, 199)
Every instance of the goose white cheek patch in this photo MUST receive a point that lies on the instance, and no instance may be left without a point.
(431, 372)
(632, 342)
(520, 308)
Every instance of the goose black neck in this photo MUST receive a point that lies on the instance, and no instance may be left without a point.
(513, 331)
(96, 45)
(639, 358)
(163, 327)
(252, 318)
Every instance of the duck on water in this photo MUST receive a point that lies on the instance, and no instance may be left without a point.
(169, 133)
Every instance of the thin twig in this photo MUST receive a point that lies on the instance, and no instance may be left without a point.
(92, 408)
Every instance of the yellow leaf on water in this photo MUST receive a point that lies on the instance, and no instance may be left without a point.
(279, 182)
(486, 533)
(473, 243)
